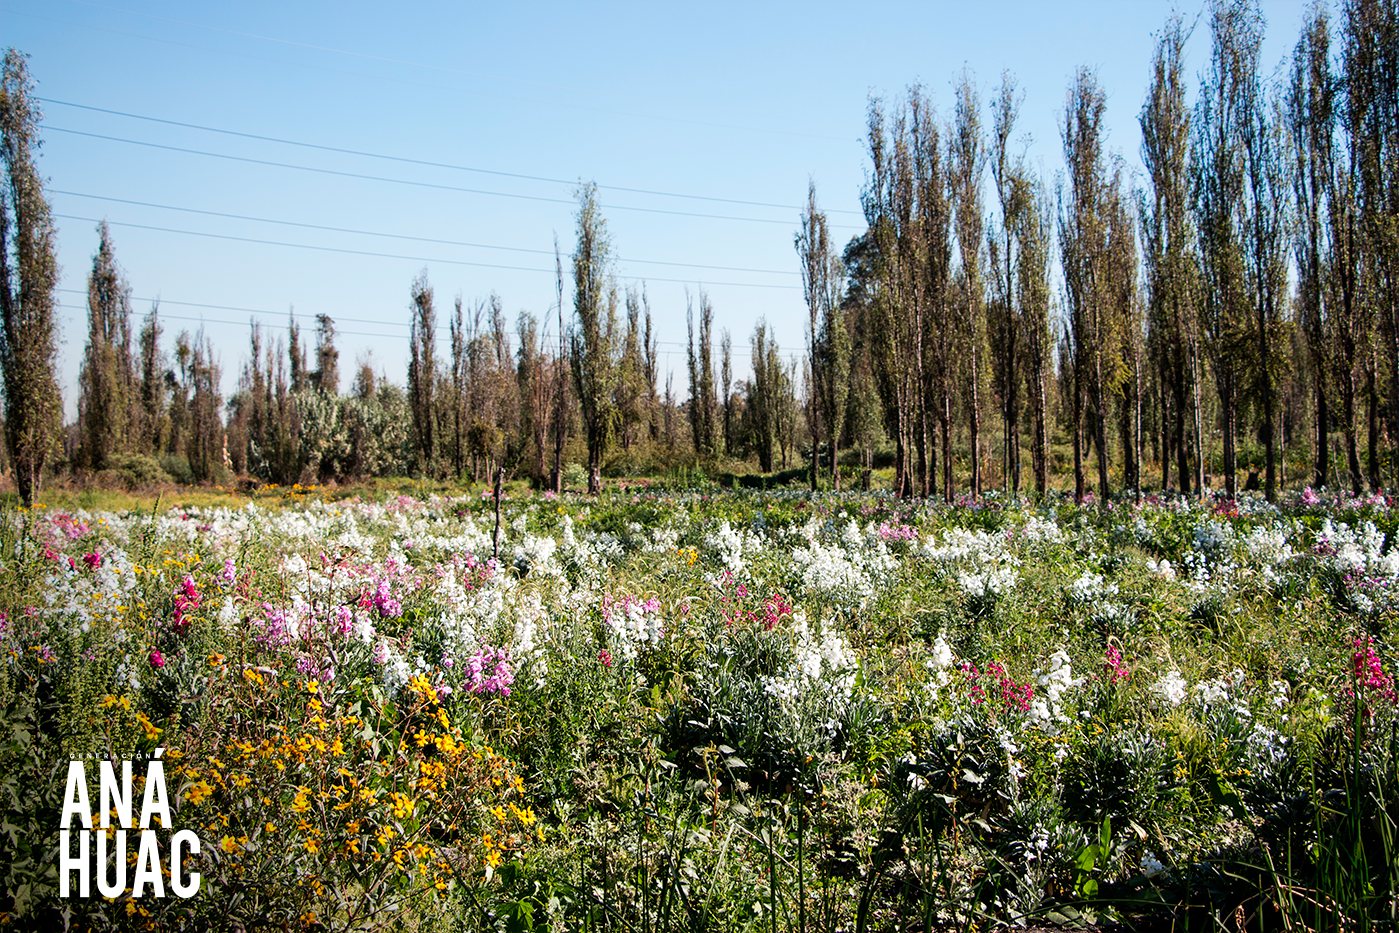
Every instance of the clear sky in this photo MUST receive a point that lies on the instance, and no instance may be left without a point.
(701, 123)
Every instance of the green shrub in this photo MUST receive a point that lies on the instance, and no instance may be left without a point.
(177, 466)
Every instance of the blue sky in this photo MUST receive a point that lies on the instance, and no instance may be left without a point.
(716, 115)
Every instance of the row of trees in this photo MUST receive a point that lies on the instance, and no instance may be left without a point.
(1174, 319)
(1246, 290)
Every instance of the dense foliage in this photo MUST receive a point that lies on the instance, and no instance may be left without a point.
(704, 710)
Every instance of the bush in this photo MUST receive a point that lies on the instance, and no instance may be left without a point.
(177, 466)
(132, 471)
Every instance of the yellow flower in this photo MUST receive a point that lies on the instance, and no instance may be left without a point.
(198, 792)
(402, 805)
(228, 844)
(152, 731)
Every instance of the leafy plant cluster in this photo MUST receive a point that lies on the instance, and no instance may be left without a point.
(707, 710)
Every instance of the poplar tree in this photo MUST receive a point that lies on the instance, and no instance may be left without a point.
(28, 279)
(594, 329)
(326, 377)
(106, 379)
(1311, 120)
(1034, 236)
(422, 372)
(536, 382)
(153, 390)
(764, 393)
(1219, 191)
(1004, 313)
(1170, 264)
(912, 330)
(1265, 267)
(828, 341)
(1083, 249)
(1370, 66)
(966, 159)
(457, 394)
(704, 420)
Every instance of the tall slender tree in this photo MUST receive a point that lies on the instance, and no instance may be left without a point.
(28, 279)
(1370, 66)
(594, 331)
(966, 159)
(1034, 236)
(1004, 314)
(1083, 248)
(1264, 238)
(1170, 267)
(153, 389)
(422, 372)
(704, 411)
(106, 381)
(828, 344)
(1219, 195)
(1311, 120)
(326, 376)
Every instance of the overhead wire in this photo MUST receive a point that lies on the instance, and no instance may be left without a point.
(402, 236)
(425, 162)
(416, 184)
(444, 328)
(361, 252)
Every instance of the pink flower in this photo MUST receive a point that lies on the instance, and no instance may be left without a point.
(1369, 673)
(1116, 667)
(156, 658)
(605, 657)
(93, 560)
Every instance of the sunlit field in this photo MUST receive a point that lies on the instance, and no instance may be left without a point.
(697, 709)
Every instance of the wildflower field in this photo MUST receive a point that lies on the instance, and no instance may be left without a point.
(693, 710)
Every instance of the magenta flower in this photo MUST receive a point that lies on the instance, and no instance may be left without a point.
(1369, 673)
(156, 658)
(1116, 667)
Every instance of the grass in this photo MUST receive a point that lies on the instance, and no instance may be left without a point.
(732, 710)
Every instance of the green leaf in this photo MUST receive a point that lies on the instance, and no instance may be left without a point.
(1087, 857)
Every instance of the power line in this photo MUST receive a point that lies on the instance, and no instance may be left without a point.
(310, 317)
(401, 236)
(423, 162)
(416, 184)
(359, 252)
(203, 320)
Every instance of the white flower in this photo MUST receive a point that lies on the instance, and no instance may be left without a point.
(1056, 681)
(1171, 687)
(942, 655)
(1164, 570)
(1091, 586)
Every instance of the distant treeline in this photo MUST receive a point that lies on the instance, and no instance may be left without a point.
(1239, 304)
